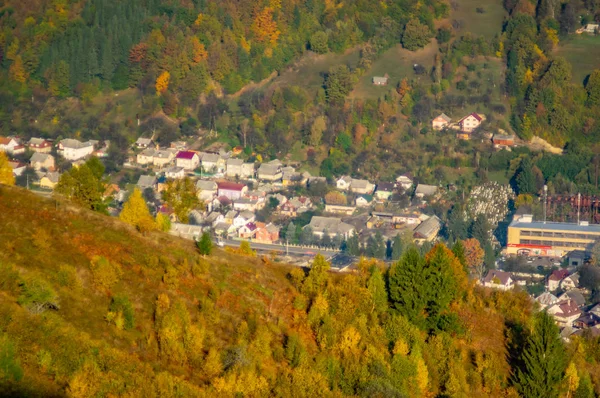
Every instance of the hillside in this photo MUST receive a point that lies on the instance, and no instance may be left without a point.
(150, 317)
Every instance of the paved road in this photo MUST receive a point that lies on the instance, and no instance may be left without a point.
(282, 248)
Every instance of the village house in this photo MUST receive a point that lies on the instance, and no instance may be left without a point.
(42, 161)
(179, 146)
(267, 233)
(214, 218)
(343, 183)
(146, 156)
(187, 160)
(340, 209)
(230, 216)
(143, 143)
(503, 141)
(405, 181)
(49, 180)
(175, 173)
(384, 190)
(11, 145)
(212, 162)
(17, 167)
(553, 281)
(590, 28)
(470, 122)
(291, 177)
(247, 231)
(231, 190)
(74, 150)
(295, 206)
(243, 218)
(146, 181)
(363, 200)
(546, 299)
(186, 231)
(428, 230)
(406, 218)
(564, 312)
(440, 122)
(248, 204)
(39, 145)
(361, 186)
(270, 172)
(575, 295)
(570, 282)
(331, 226)
(163, 157)
(423, 190)
(497, 279)
(380, 80)
(207, 189)
(238, 168)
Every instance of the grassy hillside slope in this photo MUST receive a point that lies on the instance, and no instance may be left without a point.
(89, 307)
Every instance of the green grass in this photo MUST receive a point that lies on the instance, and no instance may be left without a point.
(309, 71)
(583, 52)
(498, 176)
(398, 63)
(486, 24)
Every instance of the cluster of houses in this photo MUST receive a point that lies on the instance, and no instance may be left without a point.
(43, 162)
(563, 299)
(467, 125)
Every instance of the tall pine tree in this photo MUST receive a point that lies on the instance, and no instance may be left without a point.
(543, 361)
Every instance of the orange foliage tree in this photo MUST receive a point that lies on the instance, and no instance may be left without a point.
(474, 256)
(264, 27)
(199, 53)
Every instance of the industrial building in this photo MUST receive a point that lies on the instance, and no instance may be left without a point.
(553, 239)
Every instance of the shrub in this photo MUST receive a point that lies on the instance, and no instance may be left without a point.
(104, 273)
(37, 295)
(67, 277)
(171, 277)
(121, 305)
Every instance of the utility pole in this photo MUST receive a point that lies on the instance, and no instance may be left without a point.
(545, 200)
(578, 206)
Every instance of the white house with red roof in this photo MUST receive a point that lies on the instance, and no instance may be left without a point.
(564, 312)
(231, 190)
(553, 282)
(187, 160)
(247, 231)
(470, 122)
(11, 145)
(40, 145)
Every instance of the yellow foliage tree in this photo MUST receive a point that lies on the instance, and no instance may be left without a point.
(105, 273)
(17, 71)
(162, 82)
(136, 213)
(6, 173)
(212, 364)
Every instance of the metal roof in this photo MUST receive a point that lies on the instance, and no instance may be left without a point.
(556, 226)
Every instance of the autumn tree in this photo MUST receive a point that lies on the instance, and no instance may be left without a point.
(135, 212)
(37, 295)
(317, 277)
(6, 174)
(84, 185)
(318, 42)
(162, 82)
(163, 223)
(181, 196)
(336, 198)
(316, 130)
(474, 257)
(543, 360)
(17, 72)
(416, 35)
(264, 27)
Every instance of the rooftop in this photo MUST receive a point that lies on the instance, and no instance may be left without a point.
(524, 222)
(186, 155)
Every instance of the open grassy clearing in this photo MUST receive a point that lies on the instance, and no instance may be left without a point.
(309, 71)
(583, 52)
(487, 24)
(398, 63)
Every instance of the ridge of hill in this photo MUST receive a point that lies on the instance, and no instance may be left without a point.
(90, 307)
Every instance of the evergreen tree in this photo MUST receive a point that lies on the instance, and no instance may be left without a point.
(135, 212)
(205, 244)
(376, 286)
(585, 388)
(397, 248)
(525, 178)
(6, 173)
(457, 227)
(352, 245)
(408, 286)
(84, 185)
(459, 251)
(290, 234)
(480, 230)
(593, 88)
(543, 360)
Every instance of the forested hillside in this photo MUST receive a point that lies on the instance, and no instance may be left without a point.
(90, 307)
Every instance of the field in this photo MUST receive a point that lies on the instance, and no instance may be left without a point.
(583, 52)
(487, 24)
(398, 63)
(310, 70)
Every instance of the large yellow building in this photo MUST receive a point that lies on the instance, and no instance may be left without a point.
(554, 239)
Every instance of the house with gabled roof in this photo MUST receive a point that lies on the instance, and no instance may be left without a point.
(39, 145)
(497, 279)
(564, 312)
(384, 190)
(440, 122)
(187, 160)
(41, 160)
(143, 143)
(267, 233)
(470, 122)
(270, 171)
(554, 279)
(247, 231)
(546, 299)
(10, 145)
